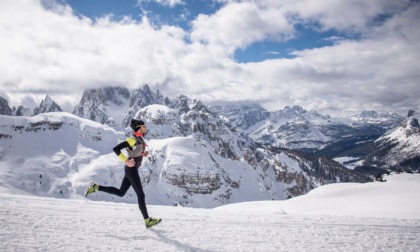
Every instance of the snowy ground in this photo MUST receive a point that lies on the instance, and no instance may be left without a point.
(341, 219)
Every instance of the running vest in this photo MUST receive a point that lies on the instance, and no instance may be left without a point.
(137, 146)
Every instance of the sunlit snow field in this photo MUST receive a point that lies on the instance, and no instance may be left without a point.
(338, 217)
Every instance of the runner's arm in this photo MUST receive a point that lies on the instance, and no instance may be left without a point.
(126, 144)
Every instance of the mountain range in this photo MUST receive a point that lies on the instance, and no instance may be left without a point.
(200, 156)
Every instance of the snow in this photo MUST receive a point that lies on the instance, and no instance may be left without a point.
(396, 198)
(377, 216)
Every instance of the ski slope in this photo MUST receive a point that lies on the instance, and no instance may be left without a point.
(345, 217)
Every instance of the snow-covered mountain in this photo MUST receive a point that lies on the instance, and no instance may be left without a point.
(292, 127)
(384, 120)
(115, 106)
(242, 116)
(104, 105)
(398, 150)
(196, 159)
(297, 128)
(47, 105)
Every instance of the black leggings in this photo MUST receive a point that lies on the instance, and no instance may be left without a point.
(131, 178)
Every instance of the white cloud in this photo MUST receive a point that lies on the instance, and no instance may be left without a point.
(44, 49)
(239, 24)
(53, 51)
(170, 3)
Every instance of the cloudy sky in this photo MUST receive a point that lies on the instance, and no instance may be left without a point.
(334, 56)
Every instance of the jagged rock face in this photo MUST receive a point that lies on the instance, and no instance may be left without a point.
(47, 105)
(304, 173)
(4, 107)
(21, 111)
(140, 98)
(200, 121)
(399, 150)
(143, 97)
(105, 96)
(243, 116)
(116, 106)
(95, 103)
(204, 182)
(181, 103)
(410, 113)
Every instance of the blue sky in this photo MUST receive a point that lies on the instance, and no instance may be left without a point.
(182, 14)
(179, 14)
(337, 57)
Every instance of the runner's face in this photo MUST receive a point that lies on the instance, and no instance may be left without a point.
(143, 129)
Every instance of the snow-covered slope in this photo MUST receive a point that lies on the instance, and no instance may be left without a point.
(341, 217)
(398, 150)
(43, 154)
(395, 198)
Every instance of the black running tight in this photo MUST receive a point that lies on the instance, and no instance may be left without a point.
(131, 178)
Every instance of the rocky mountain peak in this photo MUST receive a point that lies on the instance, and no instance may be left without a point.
(21, 111)
(4, 107)
(47, 105)
(98, 104)
(181, 103)
(198, 106)
(298, 111)
(105, 96)
(410, 121)
(144, 96)
(410, 113)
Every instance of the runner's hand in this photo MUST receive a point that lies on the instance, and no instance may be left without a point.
(130, 162)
